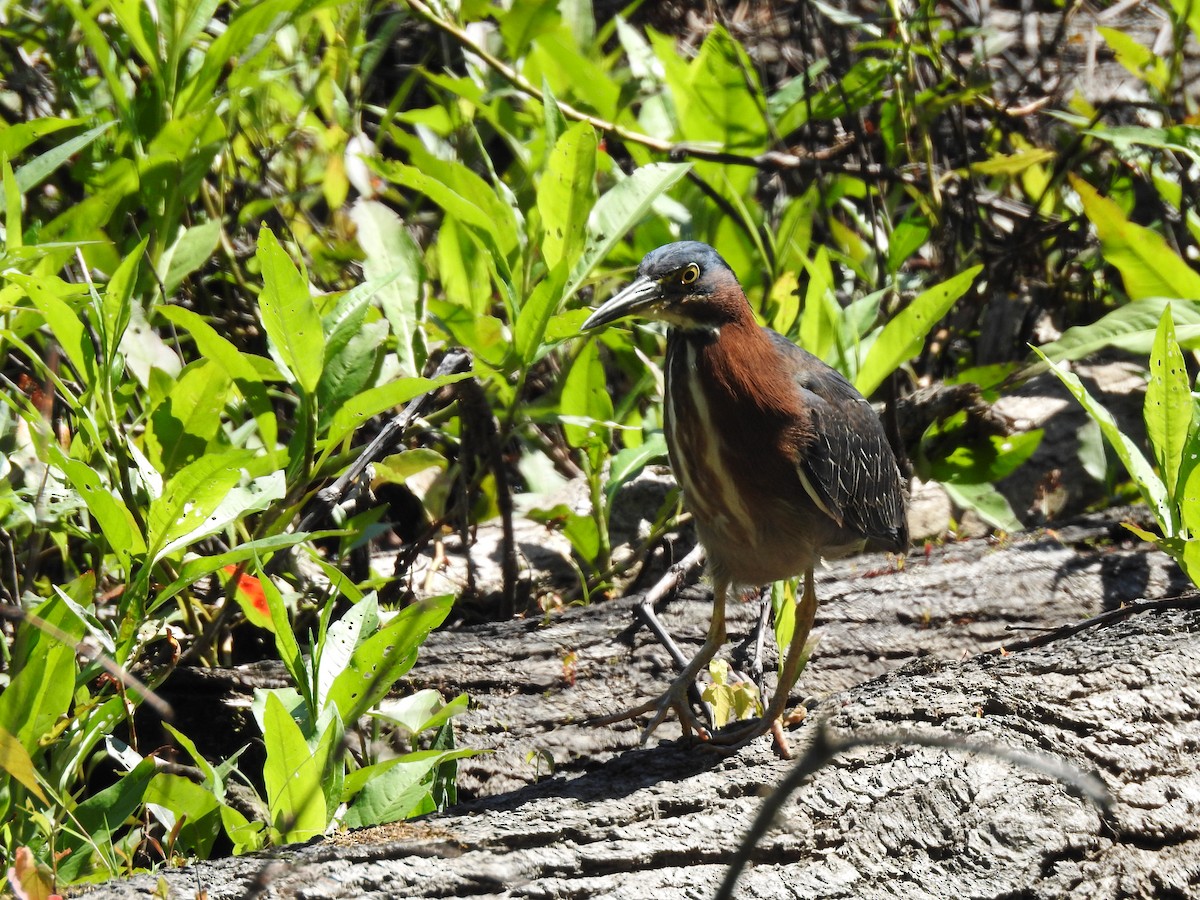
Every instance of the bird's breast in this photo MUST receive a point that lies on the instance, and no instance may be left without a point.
(729, 456)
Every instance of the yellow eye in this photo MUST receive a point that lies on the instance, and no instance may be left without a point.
(690, 274)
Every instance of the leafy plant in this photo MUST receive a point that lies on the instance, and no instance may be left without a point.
(1172, 493)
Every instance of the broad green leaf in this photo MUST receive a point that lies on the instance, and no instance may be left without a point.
(901, 338)
(249, 31)
(566, 194)
(421, 711)
(187, 809)
(1012, 164)
(350, 368)
(285, 640)
(380, 399)
(1151, 486)
(535, 315)
(1183, 139)
(248, 372)
(110, 512)
(719, 101)
(523, 22)
(341, 639)
(1140, 61)
(630, 461)
(15, 760)
(1169, 405)
(13, 238)
(585, 398)
(64, 322)
(988, 460)
(138, 27)
(391, 253)
(117, 308)
(292, 776)
(391, 790)
(465, 196)
(184, 425)
(192, 248)
(820, 312)
(289, 315)
(99, 818)
(192, 495)
(194, 569)
(620, 208)
(239, 501)
(15, 138)
(1131, 327)
(986, 501)
(34, 173)
(1148, 267)
(43, 677)
(377, 662)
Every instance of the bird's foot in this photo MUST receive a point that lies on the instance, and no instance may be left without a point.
(737, 735)
(673, 698)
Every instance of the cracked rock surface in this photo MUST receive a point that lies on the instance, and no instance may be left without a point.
(914, 650)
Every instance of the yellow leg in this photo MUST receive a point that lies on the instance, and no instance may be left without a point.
(772, 720)
(676, 696)
(806, 614)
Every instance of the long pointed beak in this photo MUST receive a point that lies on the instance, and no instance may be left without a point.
(643, 292)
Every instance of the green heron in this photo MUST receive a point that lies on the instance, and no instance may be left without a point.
(781, 461)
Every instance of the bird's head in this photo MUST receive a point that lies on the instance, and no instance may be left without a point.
(686, 284)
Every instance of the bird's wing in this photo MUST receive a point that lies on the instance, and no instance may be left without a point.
(846, 465)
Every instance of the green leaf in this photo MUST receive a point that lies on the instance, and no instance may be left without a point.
(111, 514)
(340, 641)
(43, 679)
(99, 818)
(289, 315)
(820, 312)
(350, 368)
(630, 461)
(1169, 406)
(902, 338)
(392, 253)
(392, 790)
(117, 308)
(566, 194)
(192, 249)
(13, 238)
(1148, 266)
(1130, 327)
(1012, 164)
(421, 711)
(192, 496)
(184, 425)
(986, 501)
(1151, 486)
(372, 402)
(16, 761)
(188, 809)
(65, 323)
(292, 776)
(535, 315)
(194, 569)
(1140, 61)
(377, 662)
(248, 372)
(585, 399)
(34, 173)
(285, 640)
(617, 211)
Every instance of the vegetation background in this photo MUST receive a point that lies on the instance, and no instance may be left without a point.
(236, 234)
